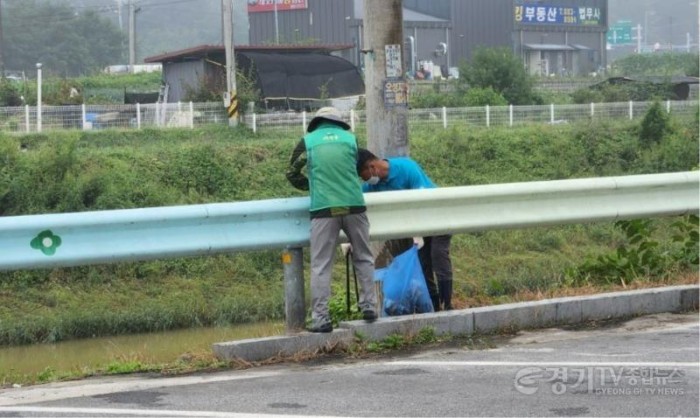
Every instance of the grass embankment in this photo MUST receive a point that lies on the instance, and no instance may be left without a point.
(76, 171)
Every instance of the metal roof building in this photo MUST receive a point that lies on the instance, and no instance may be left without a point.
(286, 76)
(551, 36)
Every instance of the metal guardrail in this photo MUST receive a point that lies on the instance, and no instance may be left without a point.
(71, 239)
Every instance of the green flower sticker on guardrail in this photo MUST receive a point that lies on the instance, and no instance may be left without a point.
(46, 242)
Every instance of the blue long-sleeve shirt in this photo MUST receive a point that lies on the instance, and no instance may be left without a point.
(404, 174)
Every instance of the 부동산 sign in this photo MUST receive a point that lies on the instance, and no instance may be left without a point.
(255, 6)
(540, 14)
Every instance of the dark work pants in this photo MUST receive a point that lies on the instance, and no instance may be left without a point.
(437, 269)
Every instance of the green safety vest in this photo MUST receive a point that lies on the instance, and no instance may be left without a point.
(331, 165)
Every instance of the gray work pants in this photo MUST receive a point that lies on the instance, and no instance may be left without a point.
(324, 238)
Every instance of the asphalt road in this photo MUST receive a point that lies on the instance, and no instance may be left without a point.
(648, 366)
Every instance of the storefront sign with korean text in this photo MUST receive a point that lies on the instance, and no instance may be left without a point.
(255, 6)
(530, 14)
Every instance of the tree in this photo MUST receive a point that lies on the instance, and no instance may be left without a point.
(67, 42)
(503, 72)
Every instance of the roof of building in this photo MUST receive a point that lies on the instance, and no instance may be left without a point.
(409, 16)
(302, 76)
(201, 51)
(549, 47)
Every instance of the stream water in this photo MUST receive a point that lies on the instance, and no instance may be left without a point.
(147, 348)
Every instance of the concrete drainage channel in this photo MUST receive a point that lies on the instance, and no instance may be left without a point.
(538, 314)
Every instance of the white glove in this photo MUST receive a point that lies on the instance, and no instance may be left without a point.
(418, 242)
(345, 248)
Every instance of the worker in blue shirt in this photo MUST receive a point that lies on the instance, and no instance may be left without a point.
(403, 173)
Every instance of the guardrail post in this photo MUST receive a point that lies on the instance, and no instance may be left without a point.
(294, 304)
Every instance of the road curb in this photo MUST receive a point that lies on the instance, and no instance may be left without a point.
(537, 314)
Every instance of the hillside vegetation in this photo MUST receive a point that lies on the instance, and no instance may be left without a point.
(79, 171)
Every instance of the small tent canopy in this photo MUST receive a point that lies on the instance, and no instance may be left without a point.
(307, 75)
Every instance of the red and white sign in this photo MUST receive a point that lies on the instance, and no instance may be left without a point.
(255, 6)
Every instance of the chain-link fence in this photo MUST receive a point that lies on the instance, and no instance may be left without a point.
(26, 119)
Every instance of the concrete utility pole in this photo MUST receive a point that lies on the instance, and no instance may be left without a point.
(132, 34)
(119, 13)
(230, 97)
(2, 63)
(386, 90)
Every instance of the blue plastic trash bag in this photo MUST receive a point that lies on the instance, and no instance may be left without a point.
(403, 285)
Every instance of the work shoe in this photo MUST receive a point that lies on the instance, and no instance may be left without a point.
(327, 327)
(369, 315)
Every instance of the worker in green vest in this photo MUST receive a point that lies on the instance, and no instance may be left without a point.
(329, 153)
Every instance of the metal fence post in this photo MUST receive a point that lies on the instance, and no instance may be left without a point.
(84, 121)
(444, 117)
(191, 116)
(294, 304)
(631, 110)
(488, 116)
(26, 118)
(510, 114)
(138, 115)
(255, 122)
(668, 106)
(592, 109)
(352, 120)
(551, 113)
(303, 121)
(157, 114)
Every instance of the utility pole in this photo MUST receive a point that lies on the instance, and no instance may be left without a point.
(277, 25)
(386, 90)
(230, 97)
(132, 34)
(2, 62)
(119, 13)
(639, 39)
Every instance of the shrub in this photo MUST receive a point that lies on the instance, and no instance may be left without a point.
(654, 125)
(587, 95)
(502, 71)
(484, 96)
(9, 94)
